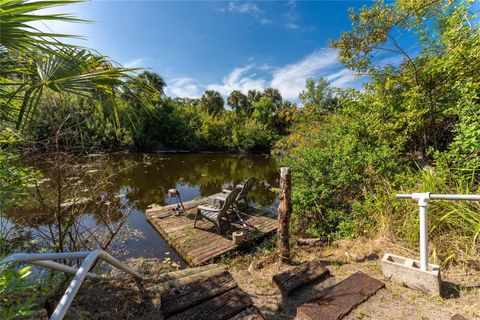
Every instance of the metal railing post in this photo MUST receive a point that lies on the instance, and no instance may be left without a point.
(423, 200)
(44, 260)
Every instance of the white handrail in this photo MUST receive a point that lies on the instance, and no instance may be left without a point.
(423, 199)
(44, 260)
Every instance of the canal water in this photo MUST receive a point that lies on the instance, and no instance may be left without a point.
(143, 180)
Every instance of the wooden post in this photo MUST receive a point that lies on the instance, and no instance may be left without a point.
(284, 211)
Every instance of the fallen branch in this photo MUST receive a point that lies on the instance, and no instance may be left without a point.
(312, 242)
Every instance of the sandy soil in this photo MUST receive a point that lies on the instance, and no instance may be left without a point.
(121, 297)
(461, 287)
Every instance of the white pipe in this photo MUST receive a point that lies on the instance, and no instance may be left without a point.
(60, 267)
(74, 286)
(472, 197)
(77, 280)
(423, 199)
(42, 259)
(423, 235)
(433, 196)
(26, 257)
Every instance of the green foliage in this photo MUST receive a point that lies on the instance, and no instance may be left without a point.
(415, 127)
(211, 102)
(318, 97)
(15, 19)
(14, 288)
(335, 160)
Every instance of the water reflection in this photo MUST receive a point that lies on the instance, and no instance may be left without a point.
(193, 174)
(142, 180)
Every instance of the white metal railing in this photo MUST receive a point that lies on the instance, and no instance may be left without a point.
(423, 199)
(45, 260)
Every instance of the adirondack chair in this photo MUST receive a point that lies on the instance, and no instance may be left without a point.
(214, 214)
(246, 186)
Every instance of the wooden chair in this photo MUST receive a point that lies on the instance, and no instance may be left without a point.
(214, 214)
(246, 186)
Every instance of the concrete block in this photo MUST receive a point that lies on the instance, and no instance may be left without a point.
(407, 271)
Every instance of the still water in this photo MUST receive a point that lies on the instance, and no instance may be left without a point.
(143, 180)
(194, 175)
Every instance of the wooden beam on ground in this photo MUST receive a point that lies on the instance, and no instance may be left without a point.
(221, 307)
(251, 313)
(175, 275)
(337, 301)
(299, 276)
(284, 211)
(312, 241)
(183, 297)
(190, 278)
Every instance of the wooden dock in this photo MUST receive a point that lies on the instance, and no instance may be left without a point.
(200, 245)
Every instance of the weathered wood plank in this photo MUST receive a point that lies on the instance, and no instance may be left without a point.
(188, 279)
(221, 307)
(200, 245)
(174, 275)
(186, 296)
(249, 314)
(299, 276)
(337, 301)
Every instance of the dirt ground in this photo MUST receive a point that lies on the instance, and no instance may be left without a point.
(461, 287)
(121, 297)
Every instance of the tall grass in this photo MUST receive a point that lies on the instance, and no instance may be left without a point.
(454, 226)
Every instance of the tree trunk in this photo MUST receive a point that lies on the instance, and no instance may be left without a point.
(284, 211)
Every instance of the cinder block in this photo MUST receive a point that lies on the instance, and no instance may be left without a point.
(407, 271)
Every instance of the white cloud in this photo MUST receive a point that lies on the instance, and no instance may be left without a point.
(292, 26)
(341, 78)
(265, 21)
(290, 80)
(184, 87)
(135, 63)
(245, 7)
(238, 79)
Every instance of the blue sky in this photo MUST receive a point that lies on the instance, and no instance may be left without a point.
(223, 45)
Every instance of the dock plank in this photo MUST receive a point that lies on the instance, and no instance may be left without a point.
(202, 244)
(184, 297)
(299, 276)
(337, 301)
(221, 307)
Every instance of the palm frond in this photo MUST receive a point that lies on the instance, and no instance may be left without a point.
(75, 71)
(17, 32)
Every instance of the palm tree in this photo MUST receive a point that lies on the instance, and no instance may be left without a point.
(238, 101)
(212, 102)
(155, 80)
(17, 33)
(70, 70)
(34, 62)
(273, 95)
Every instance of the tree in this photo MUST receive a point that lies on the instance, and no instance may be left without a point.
(238, 101)
(18, 34)
(46, 64)
(253, 96)
(155, 80)
(212, 102)
(424, 88)
(318, 96)
(264, 110)
(273, 95)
